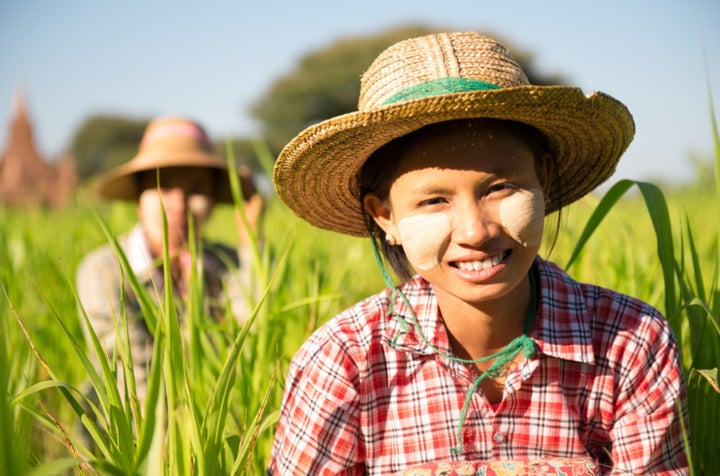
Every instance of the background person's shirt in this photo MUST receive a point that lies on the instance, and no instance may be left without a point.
(100, 288)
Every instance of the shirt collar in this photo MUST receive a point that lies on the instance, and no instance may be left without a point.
(138, 251)
(422, 333)
(562, 328)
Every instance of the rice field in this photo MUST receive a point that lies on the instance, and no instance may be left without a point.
(215, 396)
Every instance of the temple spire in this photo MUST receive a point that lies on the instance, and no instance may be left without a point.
(26, 178)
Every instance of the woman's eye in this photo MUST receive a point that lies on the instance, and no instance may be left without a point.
(432, 201)
(500, 187)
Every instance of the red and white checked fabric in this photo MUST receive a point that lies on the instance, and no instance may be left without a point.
(366, 395)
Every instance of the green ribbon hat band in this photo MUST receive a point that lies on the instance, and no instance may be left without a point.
(439, 86)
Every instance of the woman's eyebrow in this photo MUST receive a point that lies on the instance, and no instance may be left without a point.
(432, 187)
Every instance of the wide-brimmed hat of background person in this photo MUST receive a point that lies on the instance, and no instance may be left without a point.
(172, 142)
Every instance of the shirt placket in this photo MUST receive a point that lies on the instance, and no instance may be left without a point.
(500, 429)
(480, 415)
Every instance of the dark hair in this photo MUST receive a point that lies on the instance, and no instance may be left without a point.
(380, 171)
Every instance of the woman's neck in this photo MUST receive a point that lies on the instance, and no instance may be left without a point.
(479, 330)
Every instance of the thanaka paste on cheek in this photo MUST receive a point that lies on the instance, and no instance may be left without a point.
(522, 216)
(423, 237)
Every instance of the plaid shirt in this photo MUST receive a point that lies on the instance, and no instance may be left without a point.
(366, 395)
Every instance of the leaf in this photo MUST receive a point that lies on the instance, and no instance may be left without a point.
(711, 376)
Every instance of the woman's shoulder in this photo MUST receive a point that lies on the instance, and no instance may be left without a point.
(558, 286)
(102, 259)
(355, 325)
(360, 329)
(606, 326)
(605, 312)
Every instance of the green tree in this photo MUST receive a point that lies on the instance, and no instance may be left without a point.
(103, 142)
(326, 82)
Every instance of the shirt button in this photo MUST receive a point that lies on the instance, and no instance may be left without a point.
(525, 372)
(499, 437)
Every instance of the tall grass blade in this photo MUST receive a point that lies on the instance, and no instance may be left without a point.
(220, 396)
(265, 157)
(699, 288)
(716, 138)
(660, 216)
(658, 211)
(608, 201)
(258, 424)
(12, 448)
(704, 405)
(148, 307)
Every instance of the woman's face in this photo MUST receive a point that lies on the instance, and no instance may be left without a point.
(181, 191)
(468, 210)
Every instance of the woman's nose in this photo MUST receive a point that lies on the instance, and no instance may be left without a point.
(473, 225)
(174, 199)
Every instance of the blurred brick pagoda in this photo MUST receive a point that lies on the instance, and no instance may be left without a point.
(26, 178)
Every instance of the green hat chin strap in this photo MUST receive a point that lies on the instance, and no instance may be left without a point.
(440, 86)
(503, 357)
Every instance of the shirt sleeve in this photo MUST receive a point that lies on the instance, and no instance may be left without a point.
(651, 409)
(319, 430)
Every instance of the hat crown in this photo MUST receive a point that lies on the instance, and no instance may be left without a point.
(174, 136)
(417, 61)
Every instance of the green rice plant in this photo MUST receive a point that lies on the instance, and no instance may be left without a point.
(691, 303)
(30, 268)
(13, 434)
(702, 330)
(129, 441)
(216, 386)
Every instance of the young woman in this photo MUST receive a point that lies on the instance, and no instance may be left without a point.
(487, 359)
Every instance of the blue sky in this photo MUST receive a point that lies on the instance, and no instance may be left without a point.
(211, 60)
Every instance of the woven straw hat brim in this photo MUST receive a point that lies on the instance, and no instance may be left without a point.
(316, 174)
(121, 183)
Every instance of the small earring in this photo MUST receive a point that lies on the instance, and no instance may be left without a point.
(390, 239)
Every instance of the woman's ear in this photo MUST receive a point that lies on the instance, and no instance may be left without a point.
(381, 212)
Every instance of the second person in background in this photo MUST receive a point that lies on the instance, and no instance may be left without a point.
(175, 173)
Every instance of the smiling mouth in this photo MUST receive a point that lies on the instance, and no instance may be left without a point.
(480, 265)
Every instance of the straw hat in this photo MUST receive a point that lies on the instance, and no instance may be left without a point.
(437, 78)
(171, 142)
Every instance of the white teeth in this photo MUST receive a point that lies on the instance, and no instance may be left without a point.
(479, 265)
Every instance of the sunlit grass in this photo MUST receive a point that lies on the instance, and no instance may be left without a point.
(216, 388)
